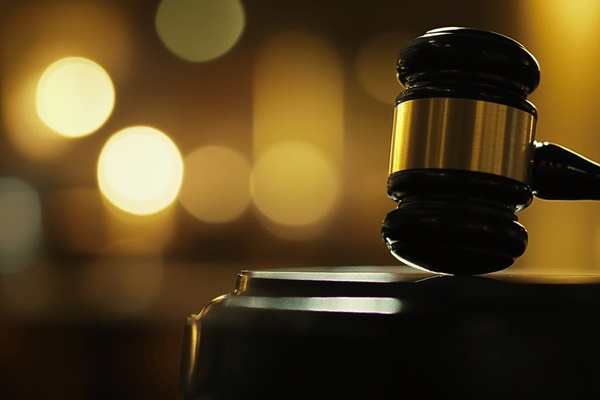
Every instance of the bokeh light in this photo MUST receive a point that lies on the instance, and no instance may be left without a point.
(561, 37)
(573, 20)
(200, 30)
(216, 186)
(36, 34)
(298, 95)
(294, 184)
(75, 96)
(20, 224)
(375, 65)
(25, 130)
(298, 131)
(140, 170)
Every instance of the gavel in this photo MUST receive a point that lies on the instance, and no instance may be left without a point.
(464, 157)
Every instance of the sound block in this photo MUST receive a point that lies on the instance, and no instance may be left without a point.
(394, 332)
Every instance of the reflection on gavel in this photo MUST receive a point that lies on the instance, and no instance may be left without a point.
(464, 158)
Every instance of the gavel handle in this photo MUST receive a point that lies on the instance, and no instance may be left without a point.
(561, 174)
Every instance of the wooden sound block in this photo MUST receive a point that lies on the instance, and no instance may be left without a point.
(394, 332)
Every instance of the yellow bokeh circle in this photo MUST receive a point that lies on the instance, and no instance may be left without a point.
(74, 96)
(200, 30)
(216, 188)
(294, 184)
(140, 170)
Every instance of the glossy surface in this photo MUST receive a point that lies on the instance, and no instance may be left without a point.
(468, 63)
(455, 222)
(465, 116)
(461, 153)
(561, 174)
(463, 134)
(388, 332)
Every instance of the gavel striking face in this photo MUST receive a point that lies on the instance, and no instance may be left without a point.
(464, 158)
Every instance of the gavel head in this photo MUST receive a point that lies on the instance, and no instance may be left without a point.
(462, 152)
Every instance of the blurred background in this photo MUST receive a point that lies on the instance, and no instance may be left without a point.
(150, 150)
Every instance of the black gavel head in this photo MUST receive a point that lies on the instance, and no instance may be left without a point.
(462, 152)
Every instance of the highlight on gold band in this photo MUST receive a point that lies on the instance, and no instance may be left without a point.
(464, 134)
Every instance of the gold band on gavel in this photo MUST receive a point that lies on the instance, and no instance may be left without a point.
(463, 134)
